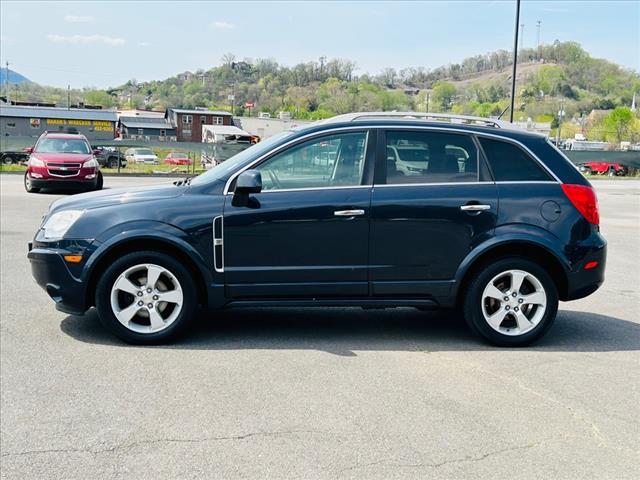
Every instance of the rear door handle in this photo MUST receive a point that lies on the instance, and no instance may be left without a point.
(475, 208)
(348, 213)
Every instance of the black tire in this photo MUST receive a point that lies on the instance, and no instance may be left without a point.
(473, 302)
(27, 185)
(113, 162)
(8, 160)
(170, 333)
(99, 182)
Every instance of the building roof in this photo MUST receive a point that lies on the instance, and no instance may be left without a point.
(57, 112)
(146, 122)
(199, 112)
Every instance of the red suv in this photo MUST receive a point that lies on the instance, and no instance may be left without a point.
(62, 160)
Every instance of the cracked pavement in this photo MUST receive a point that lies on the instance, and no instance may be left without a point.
(320, 393)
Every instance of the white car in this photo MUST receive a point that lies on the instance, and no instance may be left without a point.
(141, 155)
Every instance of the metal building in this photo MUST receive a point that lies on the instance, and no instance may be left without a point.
(23, 121)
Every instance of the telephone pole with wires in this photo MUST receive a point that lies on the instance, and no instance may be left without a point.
(515, 62)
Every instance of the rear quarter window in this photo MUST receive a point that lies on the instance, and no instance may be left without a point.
(510, 163)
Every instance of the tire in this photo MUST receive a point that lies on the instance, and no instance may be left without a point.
(27, 185)
(516, 322)
(8, 160)
(112, 162)
(99, 182)
(139, 324)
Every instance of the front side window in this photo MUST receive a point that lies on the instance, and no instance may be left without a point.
(331, 161)
(509, 163)
(430, 157)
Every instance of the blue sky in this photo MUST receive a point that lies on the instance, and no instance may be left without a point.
(106, 43)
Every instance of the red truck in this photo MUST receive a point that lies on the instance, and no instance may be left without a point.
(603, 168)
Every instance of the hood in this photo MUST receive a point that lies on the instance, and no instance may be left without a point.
(63, 157)
(117, 196)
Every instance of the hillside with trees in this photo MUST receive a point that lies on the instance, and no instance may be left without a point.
(560, 75)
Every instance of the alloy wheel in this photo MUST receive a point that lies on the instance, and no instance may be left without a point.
(514, 302)
(146, 298)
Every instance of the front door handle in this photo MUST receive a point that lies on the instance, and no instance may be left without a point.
(475, 208)
(348, 213)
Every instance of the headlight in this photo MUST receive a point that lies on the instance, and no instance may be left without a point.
(35, 162)
(57, 224)
(93, 163)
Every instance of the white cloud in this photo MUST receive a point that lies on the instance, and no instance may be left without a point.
(144, 44)
(222, 25)
(87, 39)
(79, 18)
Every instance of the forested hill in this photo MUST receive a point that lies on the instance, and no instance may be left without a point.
(478, 85)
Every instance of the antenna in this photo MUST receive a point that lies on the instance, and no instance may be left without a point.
(6, 83)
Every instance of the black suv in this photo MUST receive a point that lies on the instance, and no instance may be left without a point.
(369, 210)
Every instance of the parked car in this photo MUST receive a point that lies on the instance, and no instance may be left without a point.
(604, 168)
(109, 157)
(503, 232)
(62, 160)
(141, 155)
(177, 158)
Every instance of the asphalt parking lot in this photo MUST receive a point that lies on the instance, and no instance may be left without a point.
(320, 393)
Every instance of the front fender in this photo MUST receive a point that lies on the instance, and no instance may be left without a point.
(150, 231)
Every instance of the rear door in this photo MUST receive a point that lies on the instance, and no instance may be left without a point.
(432, 202)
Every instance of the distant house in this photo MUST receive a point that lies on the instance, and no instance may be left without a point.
(147, 128)
(188, 123)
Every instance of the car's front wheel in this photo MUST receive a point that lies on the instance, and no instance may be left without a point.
(511, 302)
(28, 186)
(146, 298)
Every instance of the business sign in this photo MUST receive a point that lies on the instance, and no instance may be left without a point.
(94, 125)
(231, 97)
(249, 105)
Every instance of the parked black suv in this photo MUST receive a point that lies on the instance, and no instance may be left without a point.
(364, 210)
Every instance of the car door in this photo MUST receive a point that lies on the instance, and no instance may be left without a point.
(306, 233)
(432, 202)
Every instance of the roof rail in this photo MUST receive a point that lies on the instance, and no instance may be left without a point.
(429, 116)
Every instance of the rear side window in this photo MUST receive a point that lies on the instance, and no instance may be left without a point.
(430, 157)
(510, 163)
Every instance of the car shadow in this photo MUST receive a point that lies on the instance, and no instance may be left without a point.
(66, 191)
(344, 331)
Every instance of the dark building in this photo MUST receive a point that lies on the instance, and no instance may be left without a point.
(188, 123)
(147, 128)
(23, 121)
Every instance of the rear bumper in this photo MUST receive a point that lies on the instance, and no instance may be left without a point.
(51, 272)
(582, 282)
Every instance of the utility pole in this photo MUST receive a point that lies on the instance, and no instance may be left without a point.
(521, 35)
(68, 97)
(428, 93)
(538, 37)
(6, 83)
(560, 117)
(515, 61)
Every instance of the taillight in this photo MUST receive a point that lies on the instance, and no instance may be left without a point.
(584, 199)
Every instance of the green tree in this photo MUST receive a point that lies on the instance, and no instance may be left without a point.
(443, 94)
(619, 123)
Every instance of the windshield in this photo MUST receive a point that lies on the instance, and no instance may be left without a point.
(254, 151)
(62, 145)
(144, 151)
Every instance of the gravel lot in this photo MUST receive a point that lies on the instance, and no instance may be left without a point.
(321, 393)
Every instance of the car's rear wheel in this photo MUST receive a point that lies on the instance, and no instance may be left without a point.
(146, 298)
(113, 162)
(512, 302)
(28, 186)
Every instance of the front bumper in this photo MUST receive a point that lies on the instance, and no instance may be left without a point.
(51, 272)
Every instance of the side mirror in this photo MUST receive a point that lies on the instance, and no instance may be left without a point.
(249, 181)
(28, 149)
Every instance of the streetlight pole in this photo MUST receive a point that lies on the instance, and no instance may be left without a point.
(515, 61)
(560, 117)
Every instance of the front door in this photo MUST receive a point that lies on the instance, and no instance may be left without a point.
(306, 233)
(432, 202)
